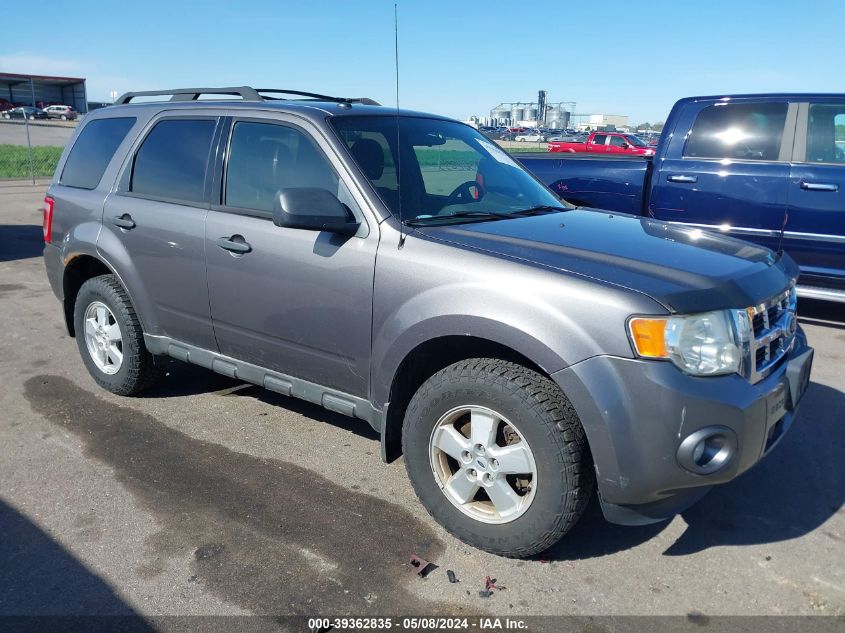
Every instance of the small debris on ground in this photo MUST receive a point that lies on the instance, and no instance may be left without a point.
(489, 586)
(423, 567)
(452, 577)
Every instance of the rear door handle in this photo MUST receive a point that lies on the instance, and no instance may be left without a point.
(124, 221)
(681, 178)
(819, 186)
(234, 244)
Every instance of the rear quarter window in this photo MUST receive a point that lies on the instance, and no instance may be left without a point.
(93, 150)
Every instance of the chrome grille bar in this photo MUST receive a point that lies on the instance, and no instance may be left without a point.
(766, 333)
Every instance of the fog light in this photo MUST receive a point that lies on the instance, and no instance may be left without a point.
(708, 450)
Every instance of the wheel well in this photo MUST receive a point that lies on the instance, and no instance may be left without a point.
(77, 272)
(424, 361)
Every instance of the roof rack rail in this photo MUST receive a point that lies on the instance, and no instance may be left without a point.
(319, 97)
(244, 92)
(192, 94)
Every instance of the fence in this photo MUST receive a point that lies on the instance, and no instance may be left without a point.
(30, 150)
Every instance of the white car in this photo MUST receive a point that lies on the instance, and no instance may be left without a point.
(530, 136)
(63, 112)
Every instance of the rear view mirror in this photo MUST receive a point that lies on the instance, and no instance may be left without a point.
(313, 209)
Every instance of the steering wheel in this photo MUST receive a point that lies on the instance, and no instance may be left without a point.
(463, 193)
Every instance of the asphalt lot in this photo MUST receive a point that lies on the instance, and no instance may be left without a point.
(208, 496)
(55, 133)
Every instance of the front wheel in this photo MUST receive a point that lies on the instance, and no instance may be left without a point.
(498, 457)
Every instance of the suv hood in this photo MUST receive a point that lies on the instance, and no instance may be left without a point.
(684, 268)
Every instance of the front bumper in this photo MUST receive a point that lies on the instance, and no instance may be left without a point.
(637, 413)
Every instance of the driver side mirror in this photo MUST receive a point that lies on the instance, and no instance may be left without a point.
(313, 209)
(624, 146)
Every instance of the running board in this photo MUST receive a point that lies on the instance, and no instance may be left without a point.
(824, 294)
(330, 399)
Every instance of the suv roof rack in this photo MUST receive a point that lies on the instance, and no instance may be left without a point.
(244, 92)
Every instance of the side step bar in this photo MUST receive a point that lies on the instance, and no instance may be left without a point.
(824, 294)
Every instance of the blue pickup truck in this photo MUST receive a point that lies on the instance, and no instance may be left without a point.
(766, 168)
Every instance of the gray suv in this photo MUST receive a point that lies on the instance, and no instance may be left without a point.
(400, 268)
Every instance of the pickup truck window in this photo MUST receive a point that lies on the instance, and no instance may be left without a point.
(172, 161)
(618, 141)
(449, 171)
(826, 133)
(93, 151)
(265, 158)
(599, 139)
(743, 131)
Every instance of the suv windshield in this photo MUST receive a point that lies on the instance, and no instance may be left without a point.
(449, 172)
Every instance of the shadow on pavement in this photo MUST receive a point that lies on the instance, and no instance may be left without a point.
(39, 577)
(183, 379)
(822, 313)
(20, 241)
(791, 493)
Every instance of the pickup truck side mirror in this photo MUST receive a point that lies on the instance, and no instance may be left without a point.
(625, 146)
(313, 209)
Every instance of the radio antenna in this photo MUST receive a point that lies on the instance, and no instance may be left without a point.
(398, 157)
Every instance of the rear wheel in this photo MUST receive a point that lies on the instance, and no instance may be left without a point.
(497, 455)
(110, 338)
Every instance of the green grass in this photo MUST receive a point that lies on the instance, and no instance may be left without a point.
(524, 150)
(14, 161)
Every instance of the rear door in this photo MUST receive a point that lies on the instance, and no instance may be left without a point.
(597, 143)
(815, 230)
(293, 300)
(727, 168)
(158, 217)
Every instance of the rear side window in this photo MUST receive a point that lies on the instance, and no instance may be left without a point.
(93, 150)
(599, 139)
(746, 131)
(172, 161)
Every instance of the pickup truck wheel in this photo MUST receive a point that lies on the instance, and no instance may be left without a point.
(110, 338)
(498, 457)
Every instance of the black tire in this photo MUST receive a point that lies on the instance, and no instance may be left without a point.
(137, 371)
(547, 422)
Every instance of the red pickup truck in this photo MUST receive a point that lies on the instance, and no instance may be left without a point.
(606, 143)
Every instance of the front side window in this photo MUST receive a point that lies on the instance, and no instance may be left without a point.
(265, 158)
(826, 133)
(446, 172)
(173, 159)
(618, 141)
(93, 150)
(744, 131)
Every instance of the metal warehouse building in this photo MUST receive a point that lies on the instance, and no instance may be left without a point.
(37, 90)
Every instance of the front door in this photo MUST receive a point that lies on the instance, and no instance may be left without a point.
(295, 301)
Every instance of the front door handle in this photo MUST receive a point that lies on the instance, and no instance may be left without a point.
(235, 244)
(819, 186)
(124, 221)
(682, 178)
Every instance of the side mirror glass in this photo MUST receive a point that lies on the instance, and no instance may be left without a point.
(313, 209)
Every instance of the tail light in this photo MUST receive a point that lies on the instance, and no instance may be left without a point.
(48, 219)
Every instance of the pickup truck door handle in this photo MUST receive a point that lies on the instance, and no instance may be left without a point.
(819, 186)
(235, 244)
(681, 178)
(124, 221)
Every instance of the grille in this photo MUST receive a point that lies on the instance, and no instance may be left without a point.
(772, 332)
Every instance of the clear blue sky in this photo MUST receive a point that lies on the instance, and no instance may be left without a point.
(456, 58)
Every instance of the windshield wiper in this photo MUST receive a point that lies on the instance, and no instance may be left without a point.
(461, 215)
(542, 208)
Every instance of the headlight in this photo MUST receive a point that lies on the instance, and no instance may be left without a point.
(700, 344)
